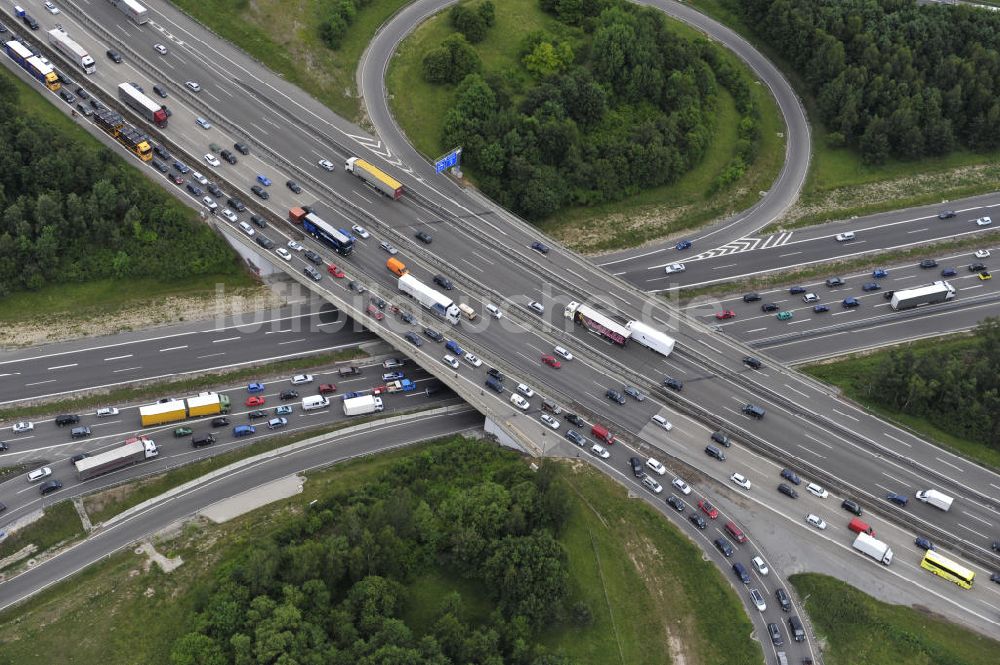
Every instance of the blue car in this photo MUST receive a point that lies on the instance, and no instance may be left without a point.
(180, 167)
(923, 543)
(540, 247)
(851, 302)
(871, 286)
(879, 273)
(255, 387)
(264, 180)
(454, 348)
(350, 395)
(283, 410)
(820, 308)
(949, 272)
(897, 499)
(682, 245)
(244, 430)
(795, 290)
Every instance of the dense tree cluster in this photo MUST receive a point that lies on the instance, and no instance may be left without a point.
(621, 104)
(892, 77)
(473, 20)
(329, 588)
(71, 212)
(338, 15)
(959, 392)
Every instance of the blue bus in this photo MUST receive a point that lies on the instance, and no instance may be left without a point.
(340, 240)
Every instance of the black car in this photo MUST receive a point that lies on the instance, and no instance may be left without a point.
(3, 28)
(872, 286)
(851, 506)
(241, 148)
(424, 237)
(257, 413)
(575, 437)
(260, 191)
(433, 388)
(888, 294)
(752, 363)
(220, 422)
(495, 373)
(575, 419)
(995, 577)
(783, 600)
(115, 56)
(406, 317)
(161, 152)
(289, 394)
(97, 105)
(976, 267)
(835, 281)
(67, 419)
(946, 214)
(258, 221)
(433, 334)
(634, 393)
(67, 96)
(294, 186)
(378, 302)
(356, 286)
(540, 247)
(723, 546)
(213, 189)
(412, 338)
(237, 204)
(673, 383)
(228, 156)
(615, 396)
(791, 476)
(76, 458)
(160, 90)
(795, 290)
(769, 307)
(636, 464)
(751, 297)
(443, 282)
(787, 490)
(84, 110)
(264, 241)
(698, 520)
(721, 439)
(50, 486)
(194, 189)
(312, 257)
(928, 263)
(775, 633)
(675, 503)
(3, 445)
(82, 94)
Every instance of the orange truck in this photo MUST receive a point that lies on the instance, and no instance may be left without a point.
(397, 267)
(295, 215)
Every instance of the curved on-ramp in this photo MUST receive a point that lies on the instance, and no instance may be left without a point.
(782, 195)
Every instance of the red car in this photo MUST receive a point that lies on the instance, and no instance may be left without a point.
(551, 361)
(708, 509)
(725, 314)
(375, 312)
(254, 400)
(335, 271)
(325, 388)
(378, 390)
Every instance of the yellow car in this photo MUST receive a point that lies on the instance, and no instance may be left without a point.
(985, 275)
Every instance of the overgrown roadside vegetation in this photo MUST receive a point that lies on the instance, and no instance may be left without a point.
(944, 388)
(60, 524)
(285, 36)
(855, 628)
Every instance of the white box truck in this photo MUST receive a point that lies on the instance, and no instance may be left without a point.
(359, 406)
(935, 498)
(314, 402)
(874, 548)
(652, 338)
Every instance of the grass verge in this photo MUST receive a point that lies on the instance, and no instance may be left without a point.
(856, 374)
(60, 524)
(152, 390)
(856, 628)
(652, 214)
(284, 35)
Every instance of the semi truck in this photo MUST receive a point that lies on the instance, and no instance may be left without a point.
(141, 104)
(374, 177)
(114, 125)
(135, 450)
(876, 549)
(439, 304)
(597, 323)
(359, 406)
(922, 295)
(651, 338)
(60, 41)
(935, 498)
(204, 404)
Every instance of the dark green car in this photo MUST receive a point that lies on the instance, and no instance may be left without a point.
(183, 431)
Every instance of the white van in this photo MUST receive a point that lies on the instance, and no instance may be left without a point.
(469, 313)
(38, 474)
(494, 310)
(247, 229)
(315, 402)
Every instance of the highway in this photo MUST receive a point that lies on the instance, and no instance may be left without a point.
(489, 259)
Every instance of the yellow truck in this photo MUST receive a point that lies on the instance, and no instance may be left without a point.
(207, 404)
(374, 176)
(204, 404)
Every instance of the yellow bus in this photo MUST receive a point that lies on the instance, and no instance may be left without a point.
(948, 569)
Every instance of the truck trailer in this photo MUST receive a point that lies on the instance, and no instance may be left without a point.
(129, 95)
(651, 338)
(922, 295)
(60, 41)
(439, 304)
(205, 404)
(135, 450)
(876, 549)
(375, 177)
(598, 323)
(935, 498)
(359, 406)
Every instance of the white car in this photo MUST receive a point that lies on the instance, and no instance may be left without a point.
(107, 411)
(810, 297)
(294, 245)
(600, 451)
(51, 8)
(525, 390)
(199, 178)
(23, 426)
(494, 311)
(682, 486)
(655, 465)
(816, 521)
(559, 351)
(984, 221)
(193, 85)
(38, 474)
(299, 379)
(326, 164)
(203, 123)
(388, 247)
(210, 203)
(519, 401)
(230, 215)
(450, 361)
(360, 231)
(982, 254)
(758, 599)
(160, 48)
(549, 420)
(662, 422)
(816, 490)
(473, 360)
(740, 480)
(283, 253)
(675, 267)
(759, 564)
(212, 160)
(538, 307)
(844, 237)
(651, 484)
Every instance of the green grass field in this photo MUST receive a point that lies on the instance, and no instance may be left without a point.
(60, 524)
(856, 628)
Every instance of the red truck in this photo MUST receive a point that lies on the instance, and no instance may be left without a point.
(602, 433)
(857, 526)
(295, 215)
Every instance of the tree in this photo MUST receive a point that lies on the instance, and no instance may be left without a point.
(529, 575)
(471, 23)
